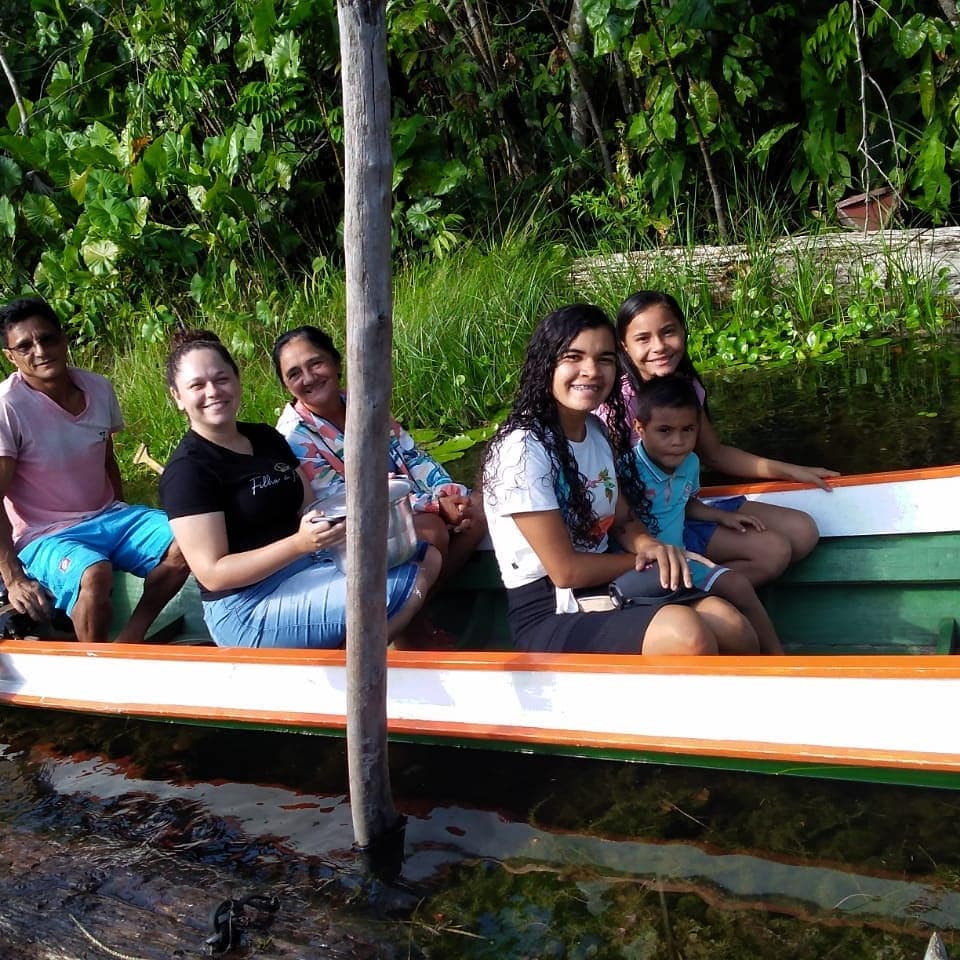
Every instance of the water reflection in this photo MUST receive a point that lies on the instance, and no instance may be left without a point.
(878, 408)
(448, 846)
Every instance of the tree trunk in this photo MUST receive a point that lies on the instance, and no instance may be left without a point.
(949, 9)
(587, 100)
(575, 34)
(366, 241)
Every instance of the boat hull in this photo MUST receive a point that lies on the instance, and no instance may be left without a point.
(879, 718)
(856, 716)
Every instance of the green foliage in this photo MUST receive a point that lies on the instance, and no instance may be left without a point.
(184, 158)
(881, 114)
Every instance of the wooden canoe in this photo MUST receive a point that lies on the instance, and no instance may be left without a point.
(867, 691)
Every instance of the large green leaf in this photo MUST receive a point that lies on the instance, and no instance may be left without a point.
(8, 218)
(100, 256)
(11, 176)
(761, 149)
(41, 213)
(705, 100)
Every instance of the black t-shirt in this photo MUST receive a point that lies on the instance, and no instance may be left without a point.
(259, 494)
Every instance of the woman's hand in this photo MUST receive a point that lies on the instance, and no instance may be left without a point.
(316, 533)
(818, 476)
(671, 560)
(457, 512)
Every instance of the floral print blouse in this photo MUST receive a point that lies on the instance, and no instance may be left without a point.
(319, 446)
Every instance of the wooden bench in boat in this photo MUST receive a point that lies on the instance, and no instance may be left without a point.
(880, 594)
(872, 595)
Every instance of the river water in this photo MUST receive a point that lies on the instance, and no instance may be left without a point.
(118, 838)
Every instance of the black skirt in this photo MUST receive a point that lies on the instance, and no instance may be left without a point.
(538, 628)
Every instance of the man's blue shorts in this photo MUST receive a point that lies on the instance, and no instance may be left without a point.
(132, 538)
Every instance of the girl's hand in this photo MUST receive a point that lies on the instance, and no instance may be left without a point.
(671, 560)
(457, 512)
(818, 476)
(315, 533)
(740, 522)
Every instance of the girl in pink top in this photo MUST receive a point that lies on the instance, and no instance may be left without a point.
(653, 338)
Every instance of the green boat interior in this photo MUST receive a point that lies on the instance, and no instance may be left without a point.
(880, 594)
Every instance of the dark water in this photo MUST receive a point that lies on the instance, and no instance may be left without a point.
(507, 855)
(886, 408)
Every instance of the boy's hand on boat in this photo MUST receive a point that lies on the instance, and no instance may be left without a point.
(818, 476)
(29, 597)
(671, 560)
(741, 522)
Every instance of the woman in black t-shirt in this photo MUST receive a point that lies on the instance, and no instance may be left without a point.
(234, 494)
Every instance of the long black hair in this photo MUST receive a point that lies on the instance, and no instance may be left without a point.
(639, 302)
(535, 410)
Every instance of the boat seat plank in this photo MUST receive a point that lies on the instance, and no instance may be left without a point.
(920, 558)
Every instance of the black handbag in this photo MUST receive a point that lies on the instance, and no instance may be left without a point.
(642, 588)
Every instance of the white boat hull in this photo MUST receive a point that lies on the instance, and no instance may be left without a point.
(888, 717)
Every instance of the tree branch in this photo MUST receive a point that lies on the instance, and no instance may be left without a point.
(582, 89)
(718, 210)
(12, 80)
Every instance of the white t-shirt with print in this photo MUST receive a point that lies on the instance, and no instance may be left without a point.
(523, 485)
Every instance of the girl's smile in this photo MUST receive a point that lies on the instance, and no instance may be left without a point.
(655, 342)
(583, 378)
(207, 389)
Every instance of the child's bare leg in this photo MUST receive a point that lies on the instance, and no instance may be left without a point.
(733, 631)
(464, 542)
(762, 556)
(430, 527)
(739, 591)
(798, 527)
(758, 556)
(455, 546)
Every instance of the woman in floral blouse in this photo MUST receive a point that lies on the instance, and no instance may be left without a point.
(446, 514)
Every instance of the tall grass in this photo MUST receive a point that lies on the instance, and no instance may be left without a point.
(461, 324)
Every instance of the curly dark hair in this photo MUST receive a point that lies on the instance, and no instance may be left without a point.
(637, 303)
(535, 410)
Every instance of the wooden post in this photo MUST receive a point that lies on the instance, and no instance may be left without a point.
(366, 241)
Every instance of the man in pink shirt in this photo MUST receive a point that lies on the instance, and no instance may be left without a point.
(65, 526)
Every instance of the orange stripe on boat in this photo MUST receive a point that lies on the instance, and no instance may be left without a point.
(929, 666)
(853, 480)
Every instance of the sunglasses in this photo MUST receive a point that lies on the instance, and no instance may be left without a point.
(43, 340)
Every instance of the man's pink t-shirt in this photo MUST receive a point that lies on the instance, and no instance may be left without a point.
(61, 475)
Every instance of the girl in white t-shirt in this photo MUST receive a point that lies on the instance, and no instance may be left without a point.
(553, 499)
